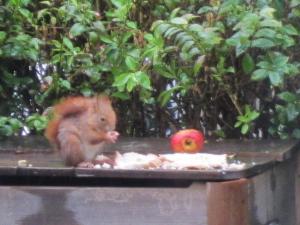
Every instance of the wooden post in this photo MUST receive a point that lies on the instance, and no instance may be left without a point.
(228, 203)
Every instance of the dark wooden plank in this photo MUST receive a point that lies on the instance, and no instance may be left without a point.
(228, 203)
(273, 195)
(297, 188)
(268, 198)
(45, 171)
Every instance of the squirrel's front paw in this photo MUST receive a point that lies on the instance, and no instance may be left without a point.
(86, 164)
(112, 136)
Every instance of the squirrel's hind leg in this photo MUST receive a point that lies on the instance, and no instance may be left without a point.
(71, 148)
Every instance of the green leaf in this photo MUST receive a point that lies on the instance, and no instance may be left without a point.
(156, 24)
(270, 23)
(65, 83)
(248, 63)
(292, 112)
(233, 41)
(181, 39)
(194, 51)
(86, 91)
(196, 27)
(53, 20)
(98, 25)
(189, 16)
(106, 39)
(35, 43)
(164, 71)
(121, 95)
(265, 32)
(70, 60)
(143, 79)
(240, 49)
(132, 25)
(290, 29)
(187, 45)
(122, 80)
(131, 84)
(259, 74)
(295, 3)
(245, 128)
(198, 64)
(275, 78)
(279, 60)
(174, 12)
(267, 12)
(179, 21)
(26, 13)
(37, 122)
(93, 37)
(120, 3)
(47, 3)
(6, 130)
(131, 63)
(205, 9)
(2, 36)
(15, 124)
(249, 22)
(253, 115)
(77, 29)
(163, 27)
(288, 96)
(238, 124)
(296, 133)
(171, 31)
(68, 43)
(56, 58)
(9, 126)
(165, 96)
(262, 43)
(149, 37)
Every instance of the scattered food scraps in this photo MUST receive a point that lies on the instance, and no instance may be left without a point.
(23, 163)
(176, 161)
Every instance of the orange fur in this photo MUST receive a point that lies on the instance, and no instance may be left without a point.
(79, 122)
(71, 106)
(67, 107)
(52, 130)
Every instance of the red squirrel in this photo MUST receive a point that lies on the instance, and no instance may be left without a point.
(80, 127)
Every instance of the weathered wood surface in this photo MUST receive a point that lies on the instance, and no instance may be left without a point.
(273, 195)
(263, 194)
(272, 148)
(103, 206)
(228, 203)
(258, 156)
(266, 199)
(297, 184)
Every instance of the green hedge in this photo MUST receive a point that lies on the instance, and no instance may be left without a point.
(229, 68)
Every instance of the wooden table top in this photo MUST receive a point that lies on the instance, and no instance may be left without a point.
(259, 155)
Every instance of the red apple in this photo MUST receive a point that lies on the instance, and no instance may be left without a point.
(188, 141)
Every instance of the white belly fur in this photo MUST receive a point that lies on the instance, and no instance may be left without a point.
(90, 151)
